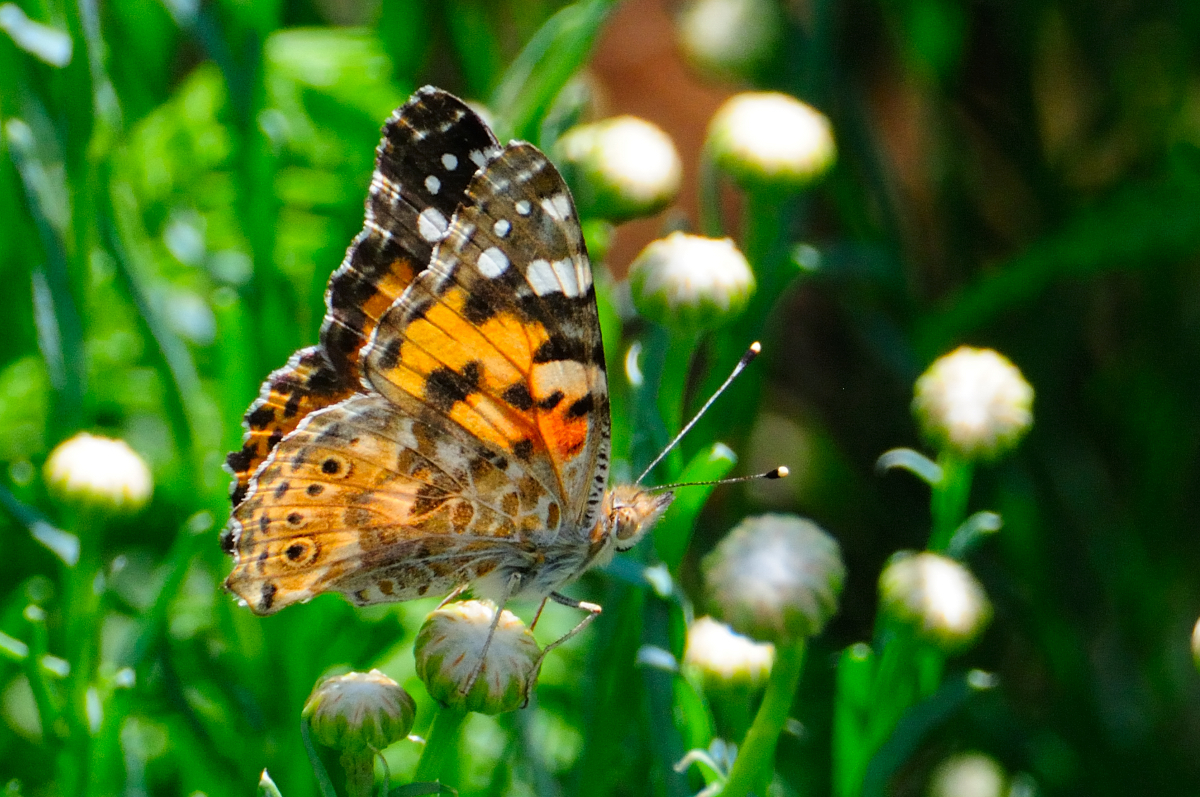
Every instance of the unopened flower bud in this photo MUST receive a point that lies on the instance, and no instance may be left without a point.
(935, 596)
(770, 140)
(729, 39)
(775, 577)
(621, 168)
(448, 650)
(359, 712)
(973, 402)
(724, 658)
(689, 282)
(98, 473)
(968, 775)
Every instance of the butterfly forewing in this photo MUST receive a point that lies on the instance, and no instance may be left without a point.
(500, 337)
(431, 147)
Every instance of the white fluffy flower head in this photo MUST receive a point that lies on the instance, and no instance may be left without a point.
(691, 282)
(771, 140)
(360, 711)
(968, 775)
(625, 167)
(728, 38)
(448, 649)
(775, 577)
(974, 402)
(936, 596)
(725, 657)
(99, 472)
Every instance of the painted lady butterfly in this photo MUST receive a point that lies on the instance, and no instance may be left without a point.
(451, 427)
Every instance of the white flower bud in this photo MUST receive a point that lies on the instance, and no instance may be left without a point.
(690, 282)
(775, 577)
(98, 473)
(729, 39)
(937, 597)
(448, 650)
(968, 775)
(771, 140)
(724, 658)
(621, 168)
(359, 711)
(973, 402)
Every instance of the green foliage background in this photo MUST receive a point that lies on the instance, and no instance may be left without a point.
(174, 198)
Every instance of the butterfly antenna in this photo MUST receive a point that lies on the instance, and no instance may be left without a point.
(745, 360)
(777, 473)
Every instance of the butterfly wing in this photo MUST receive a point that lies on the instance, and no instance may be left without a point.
(499, 340)
(381, 507)
(431, 147)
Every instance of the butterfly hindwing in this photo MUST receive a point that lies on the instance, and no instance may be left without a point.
(360, 498)
(500, 337)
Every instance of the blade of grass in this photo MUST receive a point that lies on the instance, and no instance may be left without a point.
(525, 93)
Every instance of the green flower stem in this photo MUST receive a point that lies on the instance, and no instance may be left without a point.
(948, 502)
(672, 388)
(852, 713)
(360, 772)
(710, 196)
(443, 736)
(756, 759)
(36, 673)
(82, 643)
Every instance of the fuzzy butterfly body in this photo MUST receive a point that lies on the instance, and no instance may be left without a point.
(451, 427)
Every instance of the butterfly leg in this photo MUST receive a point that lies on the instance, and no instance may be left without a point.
(593, 610)
(538, 616)
(454, 593)
(514, 583)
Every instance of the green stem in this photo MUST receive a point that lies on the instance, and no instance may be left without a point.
(948, 502)
(82, 643)
(360, 772)
(38, 644)
(672, 385)
(710, 196)
(443, 736)
(852, 713)
(756, 759)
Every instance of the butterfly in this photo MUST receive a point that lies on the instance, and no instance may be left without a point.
(451, 427)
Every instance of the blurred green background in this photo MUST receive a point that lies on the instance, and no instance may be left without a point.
(180, 177)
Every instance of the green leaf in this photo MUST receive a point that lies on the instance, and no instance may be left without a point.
(560, 47)
(674, 531)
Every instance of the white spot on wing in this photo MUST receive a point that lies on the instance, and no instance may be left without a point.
(523, 207)
(433, 184)
(450, 161)
(477, 157)
(583, 272)
(492, 262)
(541, 278)
(557, 207)
(501, 228)
(564, 270)
(432, 225)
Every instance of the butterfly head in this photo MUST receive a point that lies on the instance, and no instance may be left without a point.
(629, 511)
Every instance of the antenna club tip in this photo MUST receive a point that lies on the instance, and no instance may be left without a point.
(752, 352)
(779, 473)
